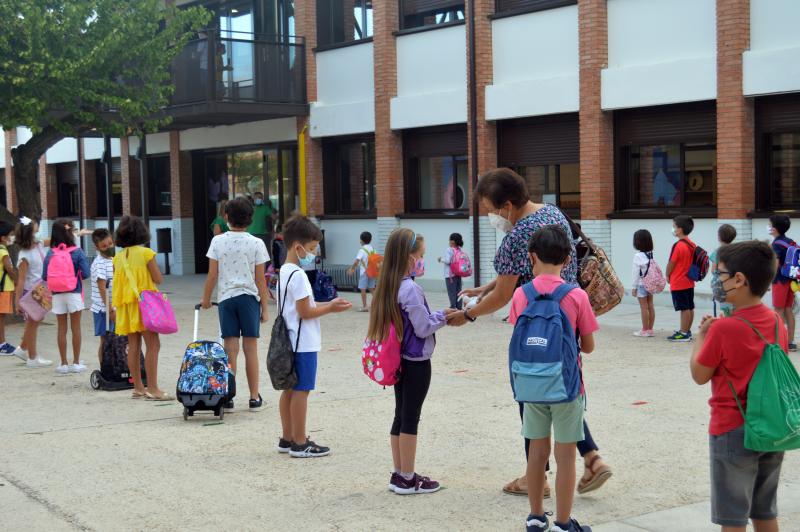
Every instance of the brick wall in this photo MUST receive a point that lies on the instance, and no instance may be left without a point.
(180, 171)
(89, 187)
(306, 16)
(131, 202)
(48, 189)
(735, 123)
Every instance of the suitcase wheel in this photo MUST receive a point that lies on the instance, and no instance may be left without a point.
(94, 380)
(221, 413)
(186, 413)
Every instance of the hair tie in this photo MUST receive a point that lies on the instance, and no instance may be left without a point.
(25, 221)
(413, 241)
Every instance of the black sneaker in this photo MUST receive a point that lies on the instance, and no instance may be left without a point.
(284, 446)
(417, 484)
(309, 449)
(255, 404)
(228, 405)
(572, 526)
(537, 523)
(393, 481)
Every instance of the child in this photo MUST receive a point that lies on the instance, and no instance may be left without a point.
(297, 298)
(682, 288)
(7, 281)
(136, 263)
(102, 273)
(549, 251)
(237, 260)
(726, 234)
(643, 243)
(30, 263)
(400, 301)
(452, 281)
(782, 295)
(365, 284)
(67, 305)
(744, 483)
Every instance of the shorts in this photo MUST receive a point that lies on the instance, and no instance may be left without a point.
(69, 303)
(683, 299)
(744, 483)
(240, 316)
(6, 302)
(565, 418)
(641, 292)
(100, 328)
(305, 364)
(782, 295)
(365, 283)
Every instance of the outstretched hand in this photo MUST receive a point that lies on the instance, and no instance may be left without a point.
(471, 292)
(456, 318)
(340, 305)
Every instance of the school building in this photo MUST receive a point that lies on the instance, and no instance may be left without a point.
(360, 113)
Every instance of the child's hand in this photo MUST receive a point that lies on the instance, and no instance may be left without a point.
(264, 311)
(705, 324)
(449, 311)
(633, 292)
(340, 305)
(206, 304)
(112, 315)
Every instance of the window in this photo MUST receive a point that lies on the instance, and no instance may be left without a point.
(116, 187)
(777, 145)
(527, 6)
(3, 190)
(159, 201)
(67, 189)
(558, 184)
(441, 183)
(336, 24)
(349, 176)
(418, 13)
(784, 171)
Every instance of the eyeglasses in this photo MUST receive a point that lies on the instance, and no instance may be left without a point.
(729, 274)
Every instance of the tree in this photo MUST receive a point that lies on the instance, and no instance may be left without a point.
(72, 66)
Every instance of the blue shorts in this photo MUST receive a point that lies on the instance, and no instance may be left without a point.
(100, 324)
(305, 364)
(240, 316)
(365, 283)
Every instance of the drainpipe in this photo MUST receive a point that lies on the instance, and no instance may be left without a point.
(473, 145)
(81, 213)
(301, 166)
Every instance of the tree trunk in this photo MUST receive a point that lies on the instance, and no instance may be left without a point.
(26, 159)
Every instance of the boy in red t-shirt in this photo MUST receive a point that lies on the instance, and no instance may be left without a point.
(681, 287)
(744, 483)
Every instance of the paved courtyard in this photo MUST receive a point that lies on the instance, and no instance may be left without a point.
(77, 459)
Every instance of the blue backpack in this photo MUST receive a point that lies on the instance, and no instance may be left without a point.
(543, 354)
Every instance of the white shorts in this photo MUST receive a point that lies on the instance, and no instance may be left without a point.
(67, 303)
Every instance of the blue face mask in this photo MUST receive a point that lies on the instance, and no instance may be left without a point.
(259, 202)
(308, 261)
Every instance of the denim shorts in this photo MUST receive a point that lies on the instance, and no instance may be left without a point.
(305, 364)
(641, 292)
(100, 323)
(240, 316)
(744, 483)
(365, 283)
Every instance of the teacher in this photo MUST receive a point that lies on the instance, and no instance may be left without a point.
(504, 194)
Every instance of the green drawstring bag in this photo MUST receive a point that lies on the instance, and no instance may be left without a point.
(772, 420)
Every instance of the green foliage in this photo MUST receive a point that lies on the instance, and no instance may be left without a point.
(76, 65)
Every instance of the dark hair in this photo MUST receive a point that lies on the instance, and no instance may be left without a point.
(5, 228)
(551, 244)
(25, 235)
(132, 232)
(781, 223)
(457, 239)
(61, 235)
(239, 212)
(753, 259)
(366, 237)
(501, 185)
(300, 230)
(98, 235)
(726, 233)
(643, 240)
(685, 223)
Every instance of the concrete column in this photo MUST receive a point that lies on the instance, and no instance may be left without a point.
(131, 195)
(89, 198)
(48, 189)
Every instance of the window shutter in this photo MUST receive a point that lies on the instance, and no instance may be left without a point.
(531, 5)
(778, 114)
(539, 141)
(667, 124)
(413, 7)
(435, 142)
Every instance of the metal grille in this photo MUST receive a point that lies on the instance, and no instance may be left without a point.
(341, 280)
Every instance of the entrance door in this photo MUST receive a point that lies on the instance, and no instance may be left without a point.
(282, 180)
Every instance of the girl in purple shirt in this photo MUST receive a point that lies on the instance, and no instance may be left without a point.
(401, 301)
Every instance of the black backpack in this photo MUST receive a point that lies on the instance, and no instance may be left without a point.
(280, 356)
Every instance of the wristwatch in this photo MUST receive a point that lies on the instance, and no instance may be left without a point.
(468, 317)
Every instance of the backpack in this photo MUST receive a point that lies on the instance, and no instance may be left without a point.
(772, 420)
(653, 278)
(543, 354)
(205, 370)
(280, 355)
(324, 289)
(381, 359)
(62, 276)
(460, 266)
(791, 263)
(374, 263)
(700, 263)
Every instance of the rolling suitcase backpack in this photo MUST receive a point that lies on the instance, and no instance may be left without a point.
(114, 373)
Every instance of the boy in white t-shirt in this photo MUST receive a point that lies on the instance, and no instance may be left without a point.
(236, 266)
(297, 299)
(102, 272)
(365, 284)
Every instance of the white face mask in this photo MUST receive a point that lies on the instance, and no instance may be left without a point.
(769, 230)
(500, 223)
(674, 233)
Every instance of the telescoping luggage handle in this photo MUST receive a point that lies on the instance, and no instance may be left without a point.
(197, 319)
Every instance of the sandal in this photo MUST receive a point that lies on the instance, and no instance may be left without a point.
(595, 478)
(166, 397)
(513, 488)
(138, 395)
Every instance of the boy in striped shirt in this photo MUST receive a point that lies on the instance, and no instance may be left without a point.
(102, 273)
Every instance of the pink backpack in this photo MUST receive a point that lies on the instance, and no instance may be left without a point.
(61, 275)
(653, 279)
(381, 359)
(460, 266)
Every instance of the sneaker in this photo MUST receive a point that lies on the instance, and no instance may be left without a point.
(77, 368)
(284, 446)
(7, 349)
(255, 404)
(62, 370)
(228, 405)
(572, 526)
(649, 333)
(393, 481)
(792, 347)
(680, 337)
(309, 449)
(537, 523)
(417, 484)
(640, 334)
(19, 353)
(38, 363)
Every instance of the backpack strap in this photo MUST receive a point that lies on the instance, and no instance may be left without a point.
(562, 291)
(530, 292)
(281, 306)
(756, 330)
(783, 243)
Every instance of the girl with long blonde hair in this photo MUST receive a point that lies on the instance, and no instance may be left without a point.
(399, 300)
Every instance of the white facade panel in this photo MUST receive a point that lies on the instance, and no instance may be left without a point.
(261, 132)
(93, 148)
(342, 119)
(23, 135)
(659, 52)
(533, 97)
(431, 87)
(772, 65)
(341, 239)
(773, 24)
(2, 148)
(156, 143)
(63, 151)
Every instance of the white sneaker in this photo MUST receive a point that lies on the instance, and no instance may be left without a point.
(21, 354)
(77, 368)
(62, 370)
(38, 363)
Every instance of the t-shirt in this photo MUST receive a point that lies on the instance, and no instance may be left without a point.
(640, 263)
(298, 289)
(220, 221)
(363, 257)
(447, 258)
(576, 305)
(780, 252)
(681, 256)
(262, 220)
(735, 350)
(238, 253)
(8, 283)
(102, 268)
(35, 259)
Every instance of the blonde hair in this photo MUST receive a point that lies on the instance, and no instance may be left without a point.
(385, 308)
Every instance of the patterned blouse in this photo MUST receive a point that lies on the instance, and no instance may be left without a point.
(512, 255)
